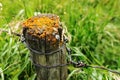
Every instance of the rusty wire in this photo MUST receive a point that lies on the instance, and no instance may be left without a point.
(78, 64)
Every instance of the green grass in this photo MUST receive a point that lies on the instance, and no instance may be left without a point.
(94, 26)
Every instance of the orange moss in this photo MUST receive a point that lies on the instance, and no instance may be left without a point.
(43, 26)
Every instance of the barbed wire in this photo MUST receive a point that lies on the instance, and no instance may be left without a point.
(78, 64)
(10, 32)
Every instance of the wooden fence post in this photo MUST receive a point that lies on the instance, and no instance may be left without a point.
(44, 38)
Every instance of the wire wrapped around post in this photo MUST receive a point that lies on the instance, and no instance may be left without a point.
(43, 36)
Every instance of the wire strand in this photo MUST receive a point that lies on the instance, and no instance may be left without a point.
(7, 31)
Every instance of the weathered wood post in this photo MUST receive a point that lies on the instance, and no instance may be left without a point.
(44, 38)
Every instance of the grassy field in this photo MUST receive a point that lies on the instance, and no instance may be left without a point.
(94, 26)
